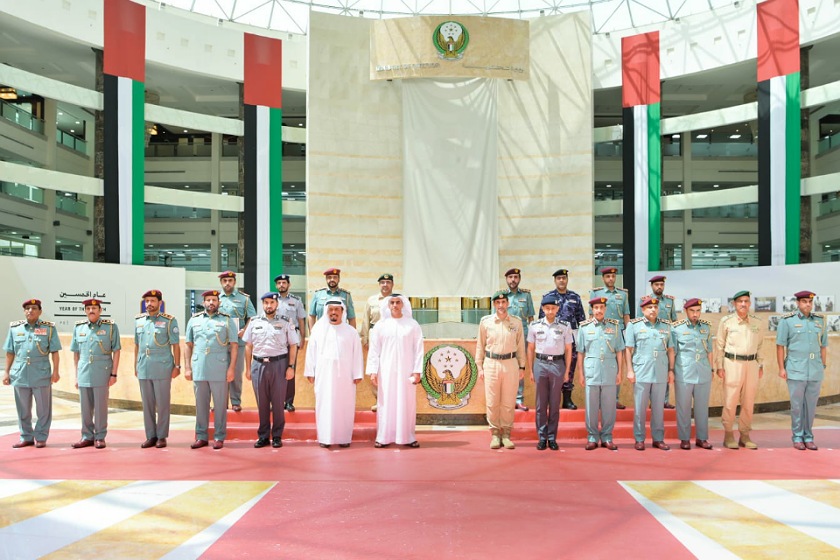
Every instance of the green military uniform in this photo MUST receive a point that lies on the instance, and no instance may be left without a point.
(804, 337)
(95, 343)
(239, 308)
(521, 304)
(650, 342)
(618, 303)
(31, 374)
(692, 376)
(320, 297)
(667, 307)
(211, 336)
(154, 336)
(599, 342)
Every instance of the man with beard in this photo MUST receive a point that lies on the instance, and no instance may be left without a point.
(290, 308)
(618, 308)
(236, 305)
(320, 298)
(334, 364)
(30, 346)
(571, 311)
(210, 361)
(395, 363)
(667, 312)
(96, 353)
(158, 362)
(521, 305)
(371, 316)
(271, 344)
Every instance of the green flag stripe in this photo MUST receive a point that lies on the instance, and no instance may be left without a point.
(654, 185)
(275, 185)
(138, 194)
(793, 170)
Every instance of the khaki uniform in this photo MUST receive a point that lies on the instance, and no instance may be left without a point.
(370, 317)
(500, 352)
(738, 353)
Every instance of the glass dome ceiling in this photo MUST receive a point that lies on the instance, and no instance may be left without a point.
(292, 16)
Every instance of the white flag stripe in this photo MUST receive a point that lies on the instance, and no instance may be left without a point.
(199, 543)
(696, 542)
(124, 164)
(813, 518)
(641, 182)
(778, 168)
(263, 201)
(13, 487)
(51, 531)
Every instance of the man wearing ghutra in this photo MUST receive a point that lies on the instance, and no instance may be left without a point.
(334, 364)
(394, 363)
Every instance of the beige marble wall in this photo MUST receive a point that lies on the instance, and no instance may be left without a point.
(545, 168)
(354, 161)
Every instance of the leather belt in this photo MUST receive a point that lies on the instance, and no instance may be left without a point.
(493, 356)
(741, 357)
(266, 359)
(550, 357)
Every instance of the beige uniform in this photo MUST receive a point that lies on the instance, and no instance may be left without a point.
(738, 353)
(500, 352)
(370, 317)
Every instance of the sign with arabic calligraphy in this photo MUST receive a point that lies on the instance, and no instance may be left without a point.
(446, 47)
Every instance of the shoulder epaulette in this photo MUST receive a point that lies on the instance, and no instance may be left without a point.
(16, 323)
(705, 322)
(48, 323)
(534, 322)
(666, 321)
(82, 322)
(817, 316)
(223, 314)
(678, 323)
(106, 321)
(345, 291)
(753, 317)
(637, 319)
(141, 315)
(791, 314)
(198, 313)
(613, 321)
(727, 317)
(525, 290)
(167, 316)
(667, 296)
(587, 322)
(321, 290)
(622, 289)
(244, 294)
(293, 296)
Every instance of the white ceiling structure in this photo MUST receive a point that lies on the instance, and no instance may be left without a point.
(292, 16)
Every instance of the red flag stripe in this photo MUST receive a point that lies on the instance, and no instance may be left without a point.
(778, 38)
(125, 40)
(640, 69)
(263, 71)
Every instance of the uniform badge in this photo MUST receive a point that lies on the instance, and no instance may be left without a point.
(100, 331)
(40, 331)
(449, 375)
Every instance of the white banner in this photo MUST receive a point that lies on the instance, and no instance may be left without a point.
(450, 231)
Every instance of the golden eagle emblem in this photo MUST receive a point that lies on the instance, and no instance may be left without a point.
(449, 375)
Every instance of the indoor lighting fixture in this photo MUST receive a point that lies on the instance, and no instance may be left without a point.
(734, 136)
(701, 136)
(8, 93)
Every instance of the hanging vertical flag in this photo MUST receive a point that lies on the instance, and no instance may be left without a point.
(779, 171)
(642, 158)
(124, 69)
(263, 93)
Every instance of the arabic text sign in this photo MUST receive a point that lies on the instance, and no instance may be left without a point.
(449, 47)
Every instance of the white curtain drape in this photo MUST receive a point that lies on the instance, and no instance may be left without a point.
(450, 233)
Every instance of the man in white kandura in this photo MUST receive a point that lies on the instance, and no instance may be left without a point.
(394, 363)
(334, 364)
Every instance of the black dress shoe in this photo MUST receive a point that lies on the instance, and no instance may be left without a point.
(40, 444)
(590, 445)
(290, 407)
(609, 445)
(82, 443)
(344, 445)
(23, 443)
(522, 407)
(661, 445)
(619, 406)
(541, 445)
(99, 444)
(685, 444)
(702, 443)
(198, 444)
(148, 443)
(669, 406)
(262, 442)
(799, 446)
(553, 445)
(811, 446)
(161, 443)
(277, 442)
(325, 445)
(640, 446)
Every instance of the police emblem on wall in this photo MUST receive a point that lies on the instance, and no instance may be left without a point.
(451, 39)
(449, 374)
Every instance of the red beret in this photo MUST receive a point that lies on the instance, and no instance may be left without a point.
(330, 271)
(597, 300)
(693, 302)
(153, 293)
(647, 300)
(609, 270)
(209, 293)
(658, 278)
(805, 294)
(513, 271)
(228, 274)
(92, 301)
(32, 302)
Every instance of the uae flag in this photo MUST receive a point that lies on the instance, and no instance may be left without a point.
(124, 68)
(263, 93)
(779, 143)
(642, 158)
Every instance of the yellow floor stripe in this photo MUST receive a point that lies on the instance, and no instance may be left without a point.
(823, 491)
(21, 507)
(160, 529)
(741, 530)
